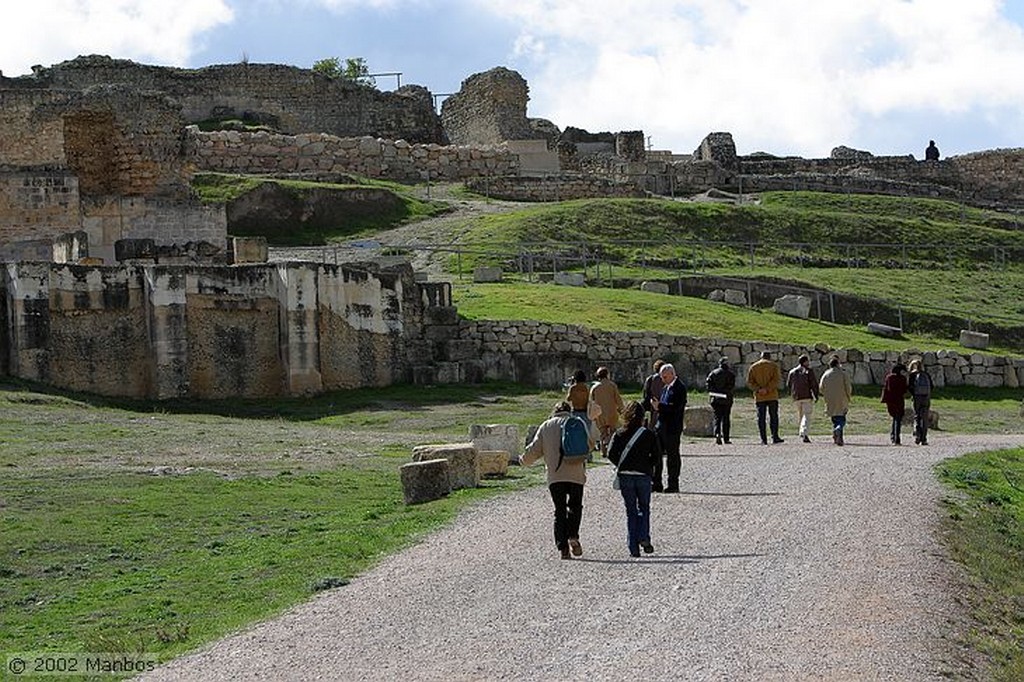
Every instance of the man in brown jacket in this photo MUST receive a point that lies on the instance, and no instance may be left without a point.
(763, 379)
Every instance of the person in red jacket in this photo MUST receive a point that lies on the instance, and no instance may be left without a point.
(894, 392)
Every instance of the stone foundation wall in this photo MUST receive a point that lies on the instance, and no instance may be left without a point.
(544, 355)
(213, 332)
(489, 108)
(267, 153)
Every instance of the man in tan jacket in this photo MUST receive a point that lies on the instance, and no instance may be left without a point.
(606, 394)
(763, 379)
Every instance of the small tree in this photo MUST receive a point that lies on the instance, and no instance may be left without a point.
(354, 69)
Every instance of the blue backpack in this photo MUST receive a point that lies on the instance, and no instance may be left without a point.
(575, 443)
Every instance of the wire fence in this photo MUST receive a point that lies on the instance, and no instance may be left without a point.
(624, 262)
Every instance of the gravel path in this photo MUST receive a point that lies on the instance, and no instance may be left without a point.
(787, 562)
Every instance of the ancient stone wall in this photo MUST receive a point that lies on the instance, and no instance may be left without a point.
(38, 204)
(562, 187)
(542, 354)
(990, 178)
(267, 153)
(287, 98)
(215, 332)
(489, 108)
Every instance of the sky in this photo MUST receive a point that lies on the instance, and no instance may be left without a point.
(787, 77)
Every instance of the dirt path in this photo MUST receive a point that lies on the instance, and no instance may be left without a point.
(788, 562)
(438, 233)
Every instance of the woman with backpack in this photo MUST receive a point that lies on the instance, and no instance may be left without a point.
(566, 473)
(635, 450)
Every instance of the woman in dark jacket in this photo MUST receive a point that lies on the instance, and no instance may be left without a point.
(894, 392)
(635, 450)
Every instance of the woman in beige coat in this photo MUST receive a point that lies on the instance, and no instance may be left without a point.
(837, 390)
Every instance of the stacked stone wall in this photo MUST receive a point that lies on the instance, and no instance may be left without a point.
(38, 204)
(489, 108)
(992, 178)
(213, 332)
(543, 355)
(31, 129)
(268, 153)
(288, 98)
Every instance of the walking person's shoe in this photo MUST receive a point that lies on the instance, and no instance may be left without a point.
(835, 437)
(647, 547)
(805, 438)
(718, 440)
(565, 553)
(777, 440)
(575, 546)
(839, 438)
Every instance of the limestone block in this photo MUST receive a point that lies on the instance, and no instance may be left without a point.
(969, 339)
(425, 481)
(249, 250)
(699, 420)
(717, 296)
(487, 273)
(571, 279)
(462, 468)
(861, 373)
(793, 306)
(735, 297)
(493, 462)
(983, 380)
(654, 287)
(879, 329)
(954, 377)
(496, 437)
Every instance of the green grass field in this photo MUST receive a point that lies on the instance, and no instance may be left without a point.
(986, 533)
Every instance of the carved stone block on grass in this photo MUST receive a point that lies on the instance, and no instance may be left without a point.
(496, 437)
(493, 463)
(487, 273)
(793, 306)
(879, 329)
(425, 481)
(654, 287)
(571, 279)
(462, 467)
(969, 339)
(699, 420)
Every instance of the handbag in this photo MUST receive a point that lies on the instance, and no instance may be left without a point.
(622, 457)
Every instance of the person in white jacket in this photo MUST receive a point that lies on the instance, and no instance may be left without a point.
(837, 390)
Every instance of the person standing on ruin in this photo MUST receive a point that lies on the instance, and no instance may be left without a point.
(721, 383)
(931, 152)
(652, 391)
(920, 384)
(894, 392)
(566, 478)
(605, 393)
(763, 379)
(803, 388)
(837, 390)
(669, 427)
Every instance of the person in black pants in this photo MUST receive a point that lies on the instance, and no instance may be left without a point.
(669, 427)
(721, 383)
(635, 451)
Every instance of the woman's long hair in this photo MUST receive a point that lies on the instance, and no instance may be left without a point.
(634, 416)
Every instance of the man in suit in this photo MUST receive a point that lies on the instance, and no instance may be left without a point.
(669, 427)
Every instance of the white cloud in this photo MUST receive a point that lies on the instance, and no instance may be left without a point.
(788, 76)
(160, 31)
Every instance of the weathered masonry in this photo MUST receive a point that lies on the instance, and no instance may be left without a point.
(215, 332)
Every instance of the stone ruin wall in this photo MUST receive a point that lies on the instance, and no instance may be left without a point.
(489, 108)
(543, 355)
(110, 162)
(286, 98)
(266, 153)
(215, 332)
